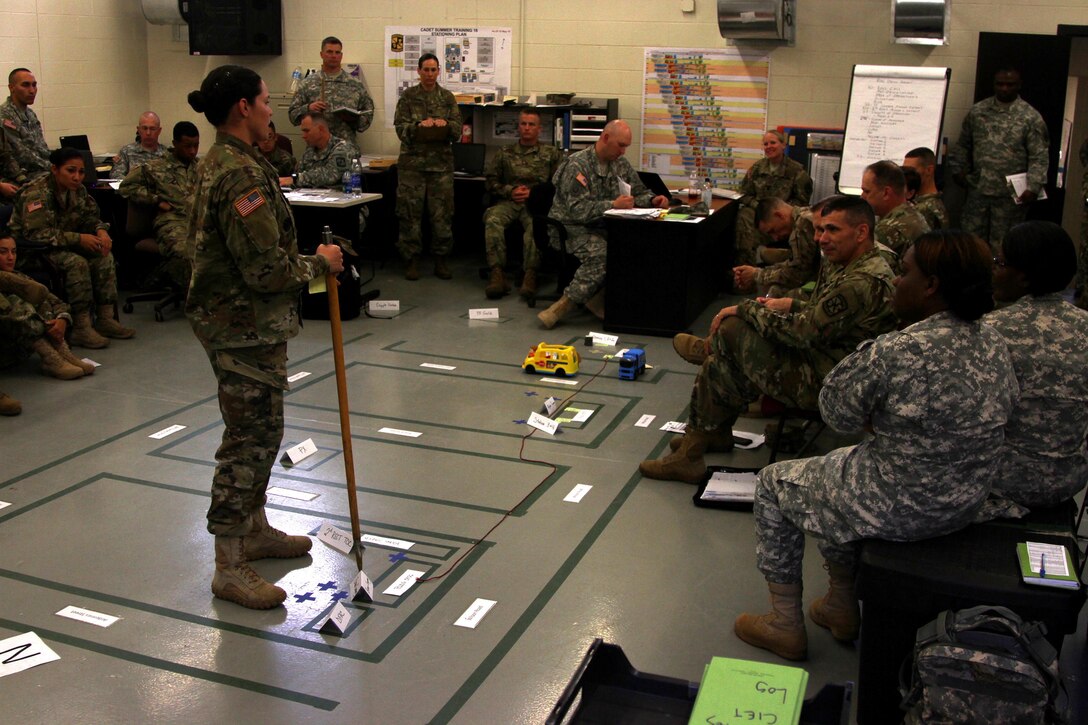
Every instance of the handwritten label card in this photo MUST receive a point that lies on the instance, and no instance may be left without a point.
(436, 366)
(297, 376)
(577, 493)
(334, 537)
(403, 583)
(338, 620)
(166, 431)
(547, 425)
(86, 615)
(400, 432)
(362, 589)
(483, 313)
(294, 454)
(475, 613)
(22, 652)
(386, 541)
(599, 338)
(559, 381)
(645, 420)
(388, 308)
(550, 405)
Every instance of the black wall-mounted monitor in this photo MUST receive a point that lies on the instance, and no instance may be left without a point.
(234, 27)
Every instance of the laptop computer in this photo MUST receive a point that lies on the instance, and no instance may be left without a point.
(79, 141)
(655, 183)
(468, 159)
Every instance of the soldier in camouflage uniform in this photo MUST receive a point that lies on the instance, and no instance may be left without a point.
(11, 176)
(326, 157)
(284, 163)
(587, 185)
(1001, 135)
(32, 319)
(146, 148)
(885, 188)
(782, 223)
(1081, 283)
(927, 466)
(427, 121)
(511, 174)
(331, 89)
(22, 130)
(783, 347)
(55, 210)
(928, 200)
(1045, 457)
(243, 307)
(776, 176)
(167, 184)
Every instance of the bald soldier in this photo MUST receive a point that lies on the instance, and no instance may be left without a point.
(588, 184)
(885, 189)
(146, 148)
(22, 129)
(332, 92)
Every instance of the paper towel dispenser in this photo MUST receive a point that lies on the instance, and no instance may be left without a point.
(756, 20)
(920, 22)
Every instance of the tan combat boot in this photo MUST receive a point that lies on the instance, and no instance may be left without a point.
(782, 630)
(496, 284)
(265, 542)
(53, 364)
(684, 464)
(595, 304)
(411, 268)
(551, 316)
(236, 582)
(528, 284)
(84, 334)
(717, 442)
(838, 609)
(106, 324)
(65, 352)
(441, 268)
(691, 348)
(9, 405)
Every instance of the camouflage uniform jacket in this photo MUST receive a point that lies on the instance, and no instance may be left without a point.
(415, 105)
(326, 167)
(132, 156)
(931, 207)
(848, 305)
(517, 165)
(57, 218)
(804, 262)
(284, 163)
(10, 171)
(340, 91)
(585, 188)
(247, 271)
(164, 179)
(900, 227)
(936, 396)
(999, 140)
(47, 304)
(25, 138)
(1045, 458)
(788, 181)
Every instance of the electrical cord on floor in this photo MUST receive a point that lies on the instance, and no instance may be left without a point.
(521, 457)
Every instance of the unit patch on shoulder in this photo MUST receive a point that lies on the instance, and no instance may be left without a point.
(835, 306)
(249, 202)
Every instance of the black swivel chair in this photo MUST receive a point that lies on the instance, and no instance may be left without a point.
(540, 206)
(139, 229)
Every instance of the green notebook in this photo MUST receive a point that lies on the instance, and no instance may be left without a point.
(1047, 565)
(743, 691)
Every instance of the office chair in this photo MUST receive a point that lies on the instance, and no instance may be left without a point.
(540, 205)
(139, 226)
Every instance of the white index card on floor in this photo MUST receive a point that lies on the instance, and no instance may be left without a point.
(400, 432)
(297, 376)
(403, 583)
(362, 589)
(334, 537)
(296, 453)
(674, 426)
(559, 381)
(539, 422)
(4, 504)
(291, 493)
(22, 652)
(475, 613)
(645, 420)
(91, 362)
(599, 338)
(436, 366)
(166, 431)
(483, 313)
(577, 493)
(581, 416)
(550, 404)
(388, 307)
(386, 541)
(338, 621)
(86, 615)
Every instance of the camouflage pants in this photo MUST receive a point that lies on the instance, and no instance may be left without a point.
(496, 219)
(790, 502)
(87, 280)
(20, 327)
(591, 249)
(416, 190)
(176, 265)
(748, 237)
(991, 217)
(251, 384)
(743, 365)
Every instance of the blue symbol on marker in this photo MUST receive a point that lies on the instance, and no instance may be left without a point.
(399, 556)
(327, 586)
(339, 595)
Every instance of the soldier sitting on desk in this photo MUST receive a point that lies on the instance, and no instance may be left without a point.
(326, 157)
(511, 174)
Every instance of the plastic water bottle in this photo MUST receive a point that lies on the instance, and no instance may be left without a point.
(708, 192)
(346, 181)
(693, 184)
(296, 78)
(356, 178)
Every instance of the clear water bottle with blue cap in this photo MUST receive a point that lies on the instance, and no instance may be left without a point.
(356, 178)
(346, 181)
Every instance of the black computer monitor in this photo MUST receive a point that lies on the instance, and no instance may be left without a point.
(76, 142)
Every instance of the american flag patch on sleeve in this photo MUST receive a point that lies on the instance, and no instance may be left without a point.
(33, 206)
(10, 124)
(249, 202)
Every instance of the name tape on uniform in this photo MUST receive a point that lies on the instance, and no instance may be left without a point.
(475, 613)
(403, 583)
(159, 435)
(306, 448)
(540, 422)
(336, 538)
(483, 313)
(86, 615)
(577, 493)
(338, 621)
(645, 420)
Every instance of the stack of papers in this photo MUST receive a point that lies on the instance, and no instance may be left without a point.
(731, 487)
(744, 691)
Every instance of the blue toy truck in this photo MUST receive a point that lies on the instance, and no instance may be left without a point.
(632, 363)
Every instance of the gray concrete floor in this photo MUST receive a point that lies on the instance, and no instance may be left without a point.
(105, 518)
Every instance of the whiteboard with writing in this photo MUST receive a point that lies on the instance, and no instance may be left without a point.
(892, 110)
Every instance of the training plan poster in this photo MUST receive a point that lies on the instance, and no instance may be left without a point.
(469, 59)
(704, 111)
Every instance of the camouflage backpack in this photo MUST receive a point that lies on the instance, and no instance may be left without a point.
(982, 665)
